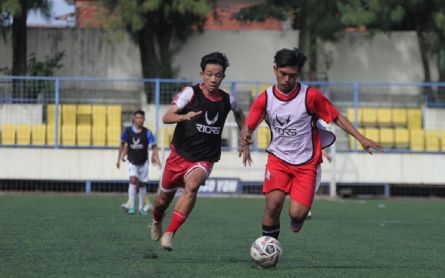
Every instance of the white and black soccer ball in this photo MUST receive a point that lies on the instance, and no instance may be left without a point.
(266, 251)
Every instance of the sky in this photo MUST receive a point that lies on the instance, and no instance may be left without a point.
(60, 7)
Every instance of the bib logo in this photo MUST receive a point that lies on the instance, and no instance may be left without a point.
(136, 144)
(208, 128)
(279, 126)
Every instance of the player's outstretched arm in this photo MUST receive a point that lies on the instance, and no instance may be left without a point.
(347, 126)
(155, 156)
(121, 155)
(172, 115)
(245, 142)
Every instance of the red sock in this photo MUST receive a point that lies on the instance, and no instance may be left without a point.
(157, 216)
(177, 220)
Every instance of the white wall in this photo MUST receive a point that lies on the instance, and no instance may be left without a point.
(78, 164)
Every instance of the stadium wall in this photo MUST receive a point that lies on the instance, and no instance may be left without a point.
(99, 164)
(355, 56)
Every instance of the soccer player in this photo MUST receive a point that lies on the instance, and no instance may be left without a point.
(136, 140)
(291, 110)
(200, 112)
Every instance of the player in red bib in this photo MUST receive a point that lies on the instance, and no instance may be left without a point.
(200, 112)
(291, 109)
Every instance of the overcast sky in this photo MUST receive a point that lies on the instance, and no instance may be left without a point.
(60, 7)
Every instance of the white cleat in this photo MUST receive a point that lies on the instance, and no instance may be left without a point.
(167, 241)
(125, 206)
(156, 230)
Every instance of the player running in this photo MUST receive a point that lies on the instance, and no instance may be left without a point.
(136, 140)
(291, 109)
(200, 112)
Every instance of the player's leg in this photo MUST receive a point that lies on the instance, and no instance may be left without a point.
(132, 189)
(272, 211)
(193, 180)
(317, 186)
(302, 195)
(143, 180)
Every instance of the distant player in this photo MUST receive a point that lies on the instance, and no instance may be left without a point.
(291, 110)
(136, 140)
(200, 112)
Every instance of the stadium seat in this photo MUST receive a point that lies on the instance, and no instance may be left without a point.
(261, 88)
(50, 134)
(432, 140)
(68, 135)
(417, 140)
(387, 137)
(263, 137)
(38, 134)
(23, 134)
(8, 134)
(373, 134)
(113, 135)
(442, 140)
(168, 131)
(384, 117)
(414, 118)
(98, 134)
(114, 115)
(84, 113)
(69, 115)
(369, 117)
(353, 141)
(401, 138)
(84, 135)
(350, 113)
(399, 117)
(99, 115)
(51, 114)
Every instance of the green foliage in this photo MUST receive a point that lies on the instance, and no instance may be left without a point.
(261, 12)
(45, 67)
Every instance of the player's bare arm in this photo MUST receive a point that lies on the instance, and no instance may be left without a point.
(172, 115)
(245, 142)
(155, 156)
(121, 155)
(347, 126)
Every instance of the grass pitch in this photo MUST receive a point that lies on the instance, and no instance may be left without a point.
(90, 236)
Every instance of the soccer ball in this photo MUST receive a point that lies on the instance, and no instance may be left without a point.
(266, 251)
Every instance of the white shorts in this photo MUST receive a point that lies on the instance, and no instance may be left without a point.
(139, 171)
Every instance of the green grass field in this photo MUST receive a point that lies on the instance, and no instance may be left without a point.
(89, 236)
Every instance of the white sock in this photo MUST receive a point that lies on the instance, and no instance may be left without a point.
(132, 194)
(142, 193)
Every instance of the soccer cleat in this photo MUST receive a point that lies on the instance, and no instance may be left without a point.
(125, 206)
(131, 211)
(167, 241)
(143, 212)
(148, 208)
(309, 215)
(156, 230)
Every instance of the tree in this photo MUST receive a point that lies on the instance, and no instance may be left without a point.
(425, 17)
(155, 25)
(317, 21)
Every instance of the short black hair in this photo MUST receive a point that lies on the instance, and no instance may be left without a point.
(290, 58)
(139, 112)
(215, 58)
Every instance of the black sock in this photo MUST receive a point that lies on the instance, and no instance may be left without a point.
(273, 231)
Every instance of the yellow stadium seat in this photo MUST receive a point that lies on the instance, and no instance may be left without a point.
(114, 115)
(369, 116)
(417, 140)
(353, 141)
(84, 135)
(51, 114)
(99, 115)
(373, 134)
(23, 134)
(442, 140)
(98, 134)
(69, 135)
(432, 140)
(401, 138)
(384, 117)
(261, 88)
(387, 137)
(414, 118)
(84, 113)
(8, 134)
(263, 137)
(168, 132)
(69, 115)
(38, 134)
(350, 113)
(399, 117)
(50, 134)
(113, 135)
